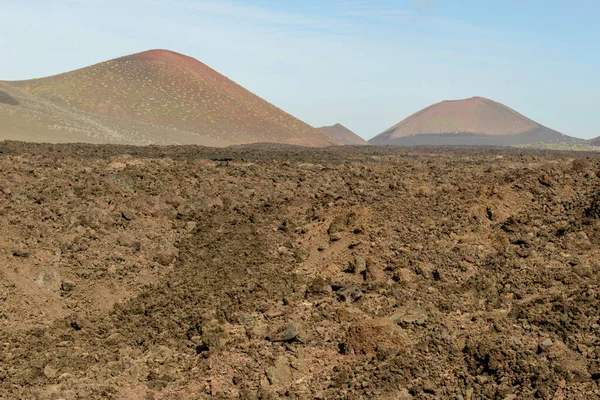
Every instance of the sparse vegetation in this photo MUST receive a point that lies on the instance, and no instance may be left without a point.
(168, 93)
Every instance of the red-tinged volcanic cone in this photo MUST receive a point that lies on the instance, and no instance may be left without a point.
(167, 89)
(474, 121)
(343, 135)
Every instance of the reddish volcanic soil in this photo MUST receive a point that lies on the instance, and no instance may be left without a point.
(170, 90)
(268, 272)
(474, 115)
(343, 135)
(475, 121)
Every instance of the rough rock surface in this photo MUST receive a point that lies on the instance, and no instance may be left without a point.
(159, 273)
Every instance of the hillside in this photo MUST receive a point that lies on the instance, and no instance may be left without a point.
(343, 135)
(29, 118)
(594, 142)
(474, 121)
(179, 97)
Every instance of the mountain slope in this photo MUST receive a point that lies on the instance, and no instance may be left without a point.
(25, 117)
(594, 141)
(343, 135)
(474, 121)
(164, 89)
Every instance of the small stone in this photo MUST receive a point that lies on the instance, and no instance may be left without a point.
(301, 255)
(280, 372)
(191, 226)
(357, 266)
(338, 224)
(65, 377)
(350, 294)
(469, 394)
(318, 286)
(414, 316)
(214, 336)
(243, 318)
(482, 379)
(166, 256)
(128, 241)
(116, 165)
(545, 180)
(523, 252)
(582, 241)
(4, 188)
(335, 237)
(67, 286)
(50, 372)
(21, 253)
(127, 215)
(197, 340)
(283, 251)
(49, 280)
(371, 335)
(404, 394)
(542, 393)
(403, 275)
(546, 344)
(562, 384)
(285, 333)
(375, 273)
(580, 165)
(259, 331)
(264, 383)
(275, 312)
(429, 387)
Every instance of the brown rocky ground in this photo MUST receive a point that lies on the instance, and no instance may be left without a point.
(270, 272)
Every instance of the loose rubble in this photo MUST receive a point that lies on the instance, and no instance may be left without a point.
(358, 273)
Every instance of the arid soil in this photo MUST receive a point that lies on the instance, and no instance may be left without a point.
(265, 272)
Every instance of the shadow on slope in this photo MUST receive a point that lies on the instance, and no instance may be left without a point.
(537, 135)
(6, 98)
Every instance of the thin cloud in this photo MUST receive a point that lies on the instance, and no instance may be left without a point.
(423, 4)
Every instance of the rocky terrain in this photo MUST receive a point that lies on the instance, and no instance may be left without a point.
(154, 97)
(476, 121)
(263, 272)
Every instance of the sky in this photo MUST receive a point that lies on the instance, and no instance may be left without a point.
(364, 64)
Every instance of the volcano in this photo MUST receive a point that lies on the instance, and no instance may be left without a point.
(470, 122)
(343, 135)
(157, 96)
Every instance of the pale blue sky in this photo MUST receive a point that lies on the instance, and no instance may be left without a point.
(365, 64)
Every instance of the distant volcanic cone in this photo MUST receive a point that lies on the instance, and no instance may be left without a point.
(343, 135)
(166, 89)
(472, 122)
